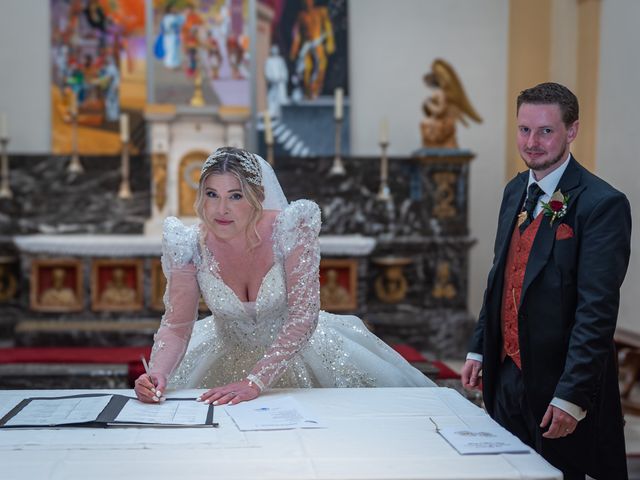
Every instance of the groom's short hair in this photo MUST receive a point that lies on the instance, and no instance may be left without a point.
(549, 94)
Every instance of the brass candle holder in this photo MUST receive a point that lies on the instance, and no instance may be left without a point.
(197, 100)
(5, 187)
(337, 168)
(74, 165)
(125, 187)
(383, 192)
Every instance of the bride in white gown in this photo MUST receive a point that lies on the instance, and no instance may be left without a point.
(255, 259)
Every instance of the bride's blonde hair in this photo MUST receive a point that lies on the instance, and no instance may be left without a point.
(242, 165)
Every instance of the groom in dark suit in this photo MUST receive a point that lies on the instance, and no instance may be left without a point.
(544, 337)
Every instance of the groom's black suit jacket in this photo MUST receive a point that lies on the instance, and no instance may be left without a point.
(567, 315)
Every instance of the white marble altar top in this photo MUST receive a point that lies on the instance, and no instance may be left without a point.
(150, 245)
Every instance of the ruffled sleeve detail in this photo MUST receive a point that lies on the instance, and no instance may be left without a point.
(296, 244)
(179, 244)
(180, 258)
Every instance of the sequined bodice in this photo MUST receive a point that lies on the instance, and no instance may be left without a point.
(231, 314)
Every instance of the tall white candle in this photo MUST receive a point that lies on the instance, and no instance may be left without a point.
(124, 127)
(4, 127)
(384, 131)
(268, 131)
(337, 96)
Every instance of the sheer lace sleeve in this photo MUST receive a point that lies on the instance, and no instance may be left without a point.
(296, 244)
(179, 260)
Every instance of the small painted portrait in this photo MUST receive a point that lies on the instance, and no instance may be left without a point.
(56, 285)
(338, 279)
(116, 285)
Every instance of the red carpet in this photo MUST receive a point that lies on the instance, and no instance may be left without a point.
(128, 355)
(412, 355)
(131, 356)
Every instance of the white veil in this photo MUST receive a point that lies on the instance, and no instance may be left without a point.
(274, 198)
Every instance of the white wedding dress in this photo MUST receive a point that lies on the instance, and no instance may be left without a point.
(281, 340)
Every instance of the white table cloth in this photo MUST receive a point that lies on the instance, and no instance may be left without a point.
(382, 433)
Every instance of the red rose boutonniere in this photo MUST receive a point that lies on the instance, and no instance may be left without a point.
(557, 206)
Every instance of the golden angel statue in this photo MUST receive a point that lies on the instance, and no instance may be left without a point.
(447, 104)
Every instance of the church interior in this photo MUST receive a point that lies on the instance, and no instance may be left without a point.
(105, 121)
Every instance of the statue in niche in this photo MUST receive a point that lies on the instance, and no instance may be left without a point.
(277, 75)
(58, 294)
(332, 294)
(443, 287)
(444, 195)
(117, 292)
(391, 286)
(447, 104)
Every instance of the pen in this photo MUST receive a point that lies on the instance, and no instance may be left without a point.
(146, 369)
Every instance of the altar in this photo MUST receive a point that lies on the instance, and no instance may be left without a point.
(400, 262)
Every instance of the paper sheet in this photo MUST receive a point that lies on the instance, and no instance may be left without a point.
(265, 413)
(482, 441)
(184, 412)
(60, 411)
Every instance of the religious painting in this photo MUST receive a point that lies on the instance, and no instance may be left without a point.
(306, 79)
(98, 73)
(56, 285)
(338, 284)
(201, 53)
(116, 285)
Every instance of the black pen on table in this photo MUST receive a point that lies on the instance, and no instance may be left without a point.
(158, 393)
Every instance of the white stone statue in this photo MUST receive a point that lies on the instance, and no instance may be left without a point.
(277, 75)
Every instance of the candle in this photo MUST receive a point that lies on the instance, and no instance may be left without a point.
(4, 130)
(124, 127)
(268, 132)
(384, 131)
(337, 95)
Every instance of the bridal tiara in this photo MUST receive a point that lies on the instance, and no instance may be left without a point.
(248, 161)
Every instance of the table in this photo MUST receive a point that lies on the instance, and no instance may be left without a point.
(372, 433)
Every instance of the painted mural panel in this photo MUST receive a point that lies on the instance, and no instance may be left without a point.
(98, 50)
(205, 44)
(307, 63)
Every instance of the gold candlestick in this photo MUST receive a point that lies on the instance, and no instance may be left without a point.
(338, 167)
(125, 187)
(74, 165)
(383, 192)
(198, 98)
(5, 187)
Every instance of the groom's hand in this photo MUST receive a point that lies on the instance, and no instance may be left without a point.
(471, 374)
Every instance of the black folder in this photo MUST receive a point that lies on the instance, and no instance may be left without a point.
(106, 418)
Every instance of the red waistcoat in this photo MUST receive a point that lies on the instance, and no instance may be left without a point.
(517, 258)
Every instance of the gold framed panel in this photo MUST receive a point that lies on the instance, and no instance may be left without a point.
(116, 285)
(338, 284)
(188, 179)
(56, 285)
